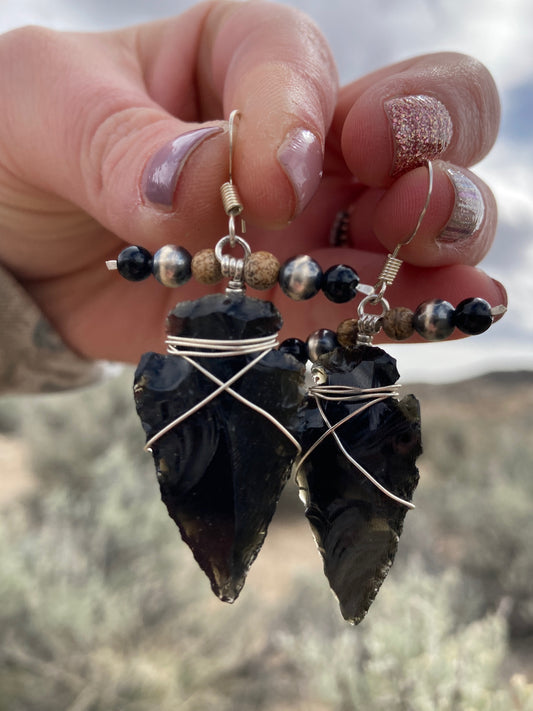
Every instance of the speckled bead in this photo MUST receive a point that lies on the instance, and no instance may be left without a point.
(300, 277)
(294, 347)
(397, 323)
(347, 333)
(320, 342)
(172, 265)
(339, 283)
(261, 270)
(473, 316)
(434, 320)
(205, 267)
(134, 263)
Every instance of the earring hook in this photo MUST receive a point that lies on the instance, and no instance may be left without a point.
(228, 191)
(369, 324)
(231, 128)
(422, 213)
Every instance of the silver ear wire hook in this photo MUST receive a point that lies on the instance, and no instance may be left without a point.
(232, 267)
(228, 191)
(370, 324)
(422, 213)
(231, 127)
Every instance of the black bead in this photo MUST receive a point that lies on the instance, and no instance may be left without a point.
(134, 263)
(340, 283)
(434, 320)
(294, 347)
(300, 277)
(320, 342)
(473, 316)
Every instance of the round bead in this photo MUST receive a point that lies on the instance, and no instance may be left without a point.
(473, 316)
(340, 283)
(398, 323)
(300, 277)
(294, 347)
(134, 263)
(205, 267)
(347, 333)
(261, 270)
(320, 342)
(172, 265)
(434, 320)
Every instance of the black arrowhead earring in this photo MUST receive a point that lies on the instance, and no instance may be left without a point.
(357, 472)
(228, 413)
(220, 434)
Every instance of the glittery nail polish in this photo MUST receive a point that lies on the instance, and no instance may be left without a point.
(162, 171)
(300, 156)
(468, 210)
(421, 129)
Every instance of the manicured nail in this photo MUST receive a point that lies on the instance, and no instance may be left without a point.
(163, 170)
(468, 210)
(421, 129)
(300, 155)
(499, 309)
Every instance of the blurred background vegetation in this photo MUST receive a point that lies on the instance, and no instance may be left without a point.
(102, 607)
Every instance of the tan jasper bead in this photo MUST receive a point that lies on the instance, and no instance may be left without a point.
(205, 267)
(347, 332)
(398, 323)
(261, 270)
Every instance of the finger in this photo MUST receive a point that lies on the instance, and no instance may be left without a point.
(457, 228)
(441, 105)
(276, 68)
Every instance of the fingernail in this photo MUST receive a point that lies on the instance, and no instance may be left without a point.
(163, 170)
(421, 129)
(500, 308)
(300, 155)
(468, 210)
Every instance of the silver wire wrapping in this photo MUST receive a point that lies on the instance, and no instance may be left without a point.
(189, 348)
(372, 396)
(231, 199)
(231, 267)
(390, 270)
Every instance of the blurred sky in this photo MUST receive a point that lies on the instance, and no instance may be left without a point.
(367, 34)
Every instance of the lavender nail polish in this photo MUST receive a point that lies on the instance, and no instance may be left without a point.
(468, 210)
(162, 171)
(301, 157)
(421, 129)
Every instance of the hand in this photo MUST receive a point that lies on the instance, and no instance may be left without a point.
(83, 119)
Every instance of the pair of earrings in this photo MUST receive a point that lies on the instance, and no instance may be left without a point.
(229, 413)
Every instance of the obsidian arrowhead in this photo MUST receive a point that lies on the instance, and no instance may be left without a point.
(356, 526)
(221, 471)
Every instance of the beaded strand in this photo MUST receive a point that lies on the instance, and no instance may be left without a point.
(301, 278)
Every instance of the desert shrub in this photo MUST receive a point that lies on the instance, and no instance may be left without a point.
(103, 609)
(67, 432)
(412, 651)
(475, 509)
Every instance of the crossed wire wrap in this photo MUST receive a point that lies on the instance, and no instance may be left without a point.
(183, 346)
(368, 396)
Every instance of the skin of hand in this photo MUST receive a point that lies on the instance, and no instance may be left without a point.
(84, 114)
